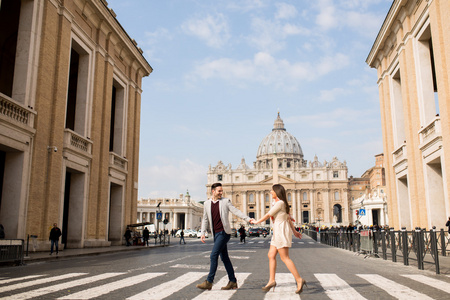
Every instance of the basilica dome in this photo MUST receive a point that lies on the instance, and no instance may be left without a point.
(281, 142)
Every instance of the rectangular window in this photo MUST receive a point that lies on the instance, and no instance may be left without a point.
(288, 176)
(117, 126)
(397, 109)
(250, 177)
(318, 176)
(336, 174)
(236, 178)
(219, 177)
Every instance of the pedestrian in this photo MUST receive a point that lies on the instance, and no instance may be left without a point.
(182, 237)
(448, 224)
(215, 214)
(127, 236)
(55, 233)
(281, 238)
(146, 236)
(242, 234)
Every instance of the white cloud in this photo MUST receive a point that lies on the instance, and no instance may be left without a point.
(213, 30)
(285, 11)
(326, 18)
(170, 177)
(331, 95)
(266, 69)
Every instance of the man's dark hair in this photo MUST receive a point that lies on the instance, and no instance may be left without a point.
(215, 185)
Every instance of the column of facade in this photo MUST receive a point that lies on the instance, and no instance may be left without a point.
(294, 207)
(187, 220)
(300, 207)
(263, 203)
(175, 220)
(244, 203)
(312, 206)
(258, 210)
(140, 217)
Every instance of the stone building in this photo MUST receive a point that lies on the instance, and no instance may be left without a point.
(412, 56)
(371, 203)
(181, 213)
(317, 191)
(70, 92)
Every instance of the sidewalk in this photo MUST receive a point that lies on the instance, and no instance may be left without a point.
(66, 253)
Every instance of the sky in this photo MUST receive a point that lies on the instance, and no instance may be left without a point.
(223, 69)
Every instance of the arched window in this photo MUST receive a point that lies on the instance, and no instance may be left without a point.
(337, 213)
(237, 198)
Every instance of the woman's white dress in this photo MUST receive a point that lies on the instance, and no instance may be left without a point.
(282, 232)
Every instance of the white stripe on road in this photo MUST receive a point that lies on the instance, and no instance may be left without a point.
(311, 242)
(250, 242)
(38, 281)
(197, 267)
(18, 279)
(217, 293)
(438, 284)
(168, 288)
(285, 289)
(392, 288)
(262, 242)
(235, 257)
(336, 288)
(61, 286)
(110, 287)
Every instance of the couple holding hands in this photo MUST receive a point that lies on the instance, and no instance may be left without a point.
(215, 213)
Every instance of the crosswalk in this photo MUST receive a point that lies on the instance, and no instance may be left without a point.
(164, 285)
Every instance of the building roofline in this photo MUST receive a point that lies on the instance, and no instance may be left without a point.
(393, 11)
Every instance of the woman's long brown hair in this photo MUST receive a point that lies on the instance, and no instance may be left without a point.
(281, 194)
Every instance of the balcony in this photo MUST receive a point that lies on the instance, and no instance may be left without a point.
(76, 143)
(400, 155)
(431, 135)
(118, 162)
(14, 112)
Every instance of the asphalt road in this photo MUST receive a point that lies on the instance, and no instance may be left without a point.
(172, 273)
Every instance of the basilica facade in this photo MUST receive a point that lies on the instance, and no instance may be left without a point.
(316, 191)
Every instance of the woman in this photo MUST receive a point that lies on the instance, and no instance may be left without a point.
(282, 237)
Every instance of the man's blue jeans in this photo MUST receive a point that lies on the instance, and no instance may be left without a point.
(220, 249)
(54, 242)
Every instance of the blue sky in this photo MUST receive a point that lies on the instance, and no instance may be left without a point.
(224, 68)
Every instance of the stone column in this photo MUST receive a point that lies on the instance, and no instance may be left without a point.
(175, 220)
(258, 209)
(300, 207)
(312, 206)
(140, 217)
(294, 207)
(263, 204)
(244, 203)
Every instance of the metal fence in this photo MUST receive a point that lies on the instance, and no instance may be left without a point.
(11, 251)
(419, 244)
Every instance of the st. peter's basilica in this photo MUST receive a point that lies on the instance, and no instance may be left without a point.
(316, 191)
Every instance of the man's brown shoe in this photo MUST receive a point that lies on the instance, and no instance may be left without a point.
(230, 286)
(206, 285)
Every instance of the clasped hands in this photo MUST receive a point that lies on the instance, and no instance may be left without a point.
(252, 221)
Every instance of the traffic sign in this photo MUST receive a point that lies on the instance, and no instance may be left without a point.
(159, 215)
(362, 211)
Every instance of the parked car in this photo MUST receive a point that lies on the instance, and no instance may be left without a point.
(234, 232)
(253, 232)
(187, 233)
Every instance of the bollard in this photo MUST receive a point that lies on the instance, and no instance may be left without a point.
(443, 245)
(393, 246)
(405, 246)
(383, 244)
(419, 244)
(434, 250)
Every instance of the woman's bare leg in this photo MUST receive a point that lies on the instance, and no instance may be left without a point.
(272, 262)
(284, 255)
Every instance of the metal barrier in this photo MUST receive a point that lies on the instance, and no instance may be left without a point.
(11, 251)
(311, 233)
(392, 243)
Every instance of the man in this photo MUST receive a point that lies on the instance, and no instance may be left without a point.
(215, 213)
(242, 234)
(182, 236)
(55, 233)
(448, 224)
(146, 236)
(127, 236)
